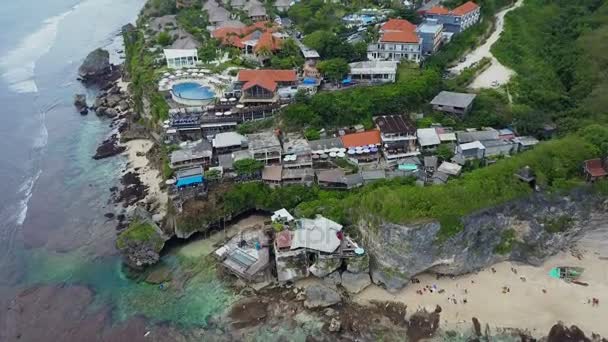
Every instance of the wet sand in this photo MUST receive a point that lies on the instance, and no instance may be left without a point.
(497, 74)
(525, 306)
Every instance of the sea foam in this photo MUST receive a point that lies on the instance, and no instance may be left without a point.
(19, 64)
(26, 190)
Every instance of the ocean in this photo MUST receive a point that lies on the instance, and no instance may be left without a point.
(53, 195)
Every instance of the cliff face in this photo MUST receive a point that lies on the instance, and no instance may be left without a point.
(527, 230)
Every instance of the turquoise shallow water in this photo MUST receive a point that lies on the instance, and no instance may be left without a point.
(54, 195)
(201, 297)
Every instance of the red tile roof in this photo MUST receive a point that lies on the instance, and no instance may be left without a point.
(438, 10)
(465, 8)
(235, 36)
(268, 41)
(400, 37)
(361, 139)
(398, 25)
(594, 168)
(275, 75)
(261, 82)
(265, 78)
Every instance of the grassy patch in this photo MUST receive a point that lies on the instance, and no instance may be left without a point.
(140, 233)
(450, 226)
(346, 164)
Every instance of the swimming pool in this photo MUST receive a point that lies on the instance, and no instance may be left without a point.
(193, 91)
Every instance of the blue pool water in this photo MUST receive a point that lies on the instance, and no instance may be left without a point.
(193, 91)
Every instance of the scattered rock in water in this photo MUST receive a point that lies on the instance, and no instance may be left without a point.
(248, 312)
(80, 102)
(321, 296)
(109, 148)
(355, 282)
(160, 275)
(109, 215)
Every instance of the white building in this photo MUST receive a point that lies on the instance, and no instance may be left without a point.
(374, 71)
(181, 58)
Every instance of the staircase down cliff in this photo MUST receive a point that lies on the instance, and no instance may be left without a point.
(526, 230)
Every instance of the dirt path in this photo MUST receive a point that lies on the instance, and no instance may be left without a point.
(497, 74)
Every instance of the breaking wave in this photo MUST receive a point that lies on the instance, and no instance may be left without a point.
(26, 190)
(19, 64)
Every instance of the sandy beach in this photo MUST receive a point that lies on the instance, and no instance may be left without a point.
(496, 74)
(525, 305)
(150, 177)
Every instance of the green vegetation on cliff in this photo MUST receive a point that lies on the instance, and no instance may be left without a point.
(139, 233)
(559, 50)
(556, 163)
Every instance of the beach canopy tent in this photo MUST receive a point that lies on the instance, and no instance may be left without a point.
(181, 58)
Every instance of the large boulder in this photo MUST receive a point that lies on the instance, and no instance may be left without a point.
(140, 244)
(109, 148)
(80, 102)
(527, 230)
(358, 264)
(321, 296)
(96, 65)
(355, 282)
(325, 266)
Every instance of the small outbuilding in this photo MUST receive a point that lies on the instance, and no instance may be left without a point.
(594, 170)
(455, 103)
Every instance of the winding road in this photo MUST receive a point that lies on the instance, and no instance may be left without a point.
(497, 74)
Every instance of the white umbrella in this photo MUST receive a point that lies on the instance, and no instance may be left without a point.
(232, 99)
(227, 113)
(341, 150)
(218, 113)
(333, 154)
(240, 106)
(366, 150)
(167, 74)
(340, 154)
(172, 77)
(223, 99)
